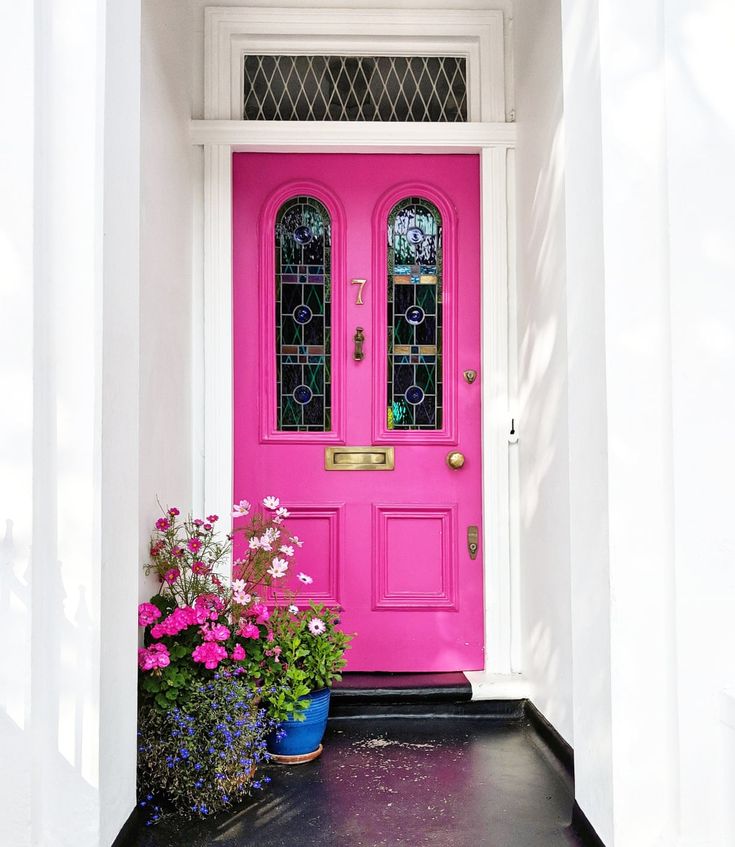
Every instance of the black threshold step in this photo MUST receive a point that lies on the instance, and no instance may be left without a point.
(403, 694)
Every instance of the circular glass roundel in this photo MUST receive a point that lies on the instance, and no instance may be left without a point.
(415, 235)
(303, 234)
(415, 315)
(302, 394)
(302, 314)
(414, 395)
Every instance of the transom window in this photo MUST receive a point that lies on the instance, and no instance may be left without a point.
(355, 88)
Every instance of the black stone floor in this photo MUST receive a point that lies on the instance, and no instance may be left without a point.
(402, 782)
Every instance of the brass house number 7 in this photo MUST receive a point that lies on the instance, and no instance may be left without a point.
(361, 283)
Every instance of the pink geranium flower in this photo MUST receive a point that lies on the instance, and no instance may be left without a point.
(210, 654)
(215, 632)
(238, 654)
(156, 656)
(194, 545)
(162, 524)
(249, 630)
(148, 614)
(210, 604)
(171, 575)
(261, 610)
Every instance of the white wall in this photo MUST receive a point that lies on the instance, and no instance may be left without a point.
(701, 212)
(167, 403)
(542, 363)
(70, 498)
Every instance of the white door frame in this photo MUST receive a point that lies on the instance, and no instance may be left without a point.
(475, 34)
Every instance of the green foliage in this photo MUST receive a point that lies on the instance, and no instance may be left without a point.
(306, 653)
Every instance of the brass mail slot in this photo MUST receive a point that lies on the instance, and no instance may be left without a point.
(358, 458)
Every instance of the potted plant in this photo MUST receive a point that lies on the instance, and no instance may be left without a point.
(311, 649)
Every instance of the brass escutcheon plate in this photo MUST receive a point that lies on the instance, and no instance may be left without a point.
(359, 458)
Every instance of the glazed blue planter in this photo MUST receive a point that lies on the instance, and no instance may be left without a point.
(304, 737)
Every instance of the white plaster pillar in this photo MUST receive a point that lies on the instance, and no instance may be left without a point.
(70, 376)
(620, 421)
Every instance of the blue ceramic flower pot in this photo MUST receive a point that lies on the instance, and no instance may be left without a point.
(305, 736)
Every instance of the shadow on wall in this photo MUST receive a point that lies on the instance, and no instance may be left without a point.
(51, 721)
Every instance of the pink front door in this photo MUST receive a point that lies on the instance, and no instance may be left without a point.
(387, 527)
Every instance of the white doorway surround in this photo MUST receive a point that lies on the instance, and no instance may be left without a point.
(476, 35)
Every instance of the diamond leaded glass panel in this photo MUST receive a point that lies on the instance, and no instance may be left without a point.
(355, 88)
(303, 241)
(414, 316)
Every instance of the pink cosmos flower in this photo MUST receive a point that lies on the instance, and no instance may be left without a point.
(294, 539)
(200, 568)
(241, 509)
(307, 580)
(156, 656)
(210, 654)
(177, 551)
(194, 545)
(278, 568)
(238, 654)
(317, 626)
(213, 518)
(162, 524)
(198, 522)
(249, 630)
(148, 614)
(171, 575)
(286, 550)
(215, 632)
(207, 526)
(271, 503)
(156, 547)
(173, 511)
(283, 512)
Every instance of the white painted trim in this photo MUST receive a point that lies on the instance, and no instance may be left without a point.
(498, 686)
(496, 489)
(476, 34)
(354, 137)
(218, 446)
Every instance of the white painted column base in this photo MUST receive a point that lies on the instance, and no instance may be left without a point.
(497, 686)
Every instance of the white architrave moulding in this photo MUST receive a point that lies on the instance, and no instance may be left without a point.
(229, 34)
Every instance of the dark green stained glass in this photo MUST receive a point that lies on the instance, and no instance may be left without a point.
(414, 316)
(303, 243)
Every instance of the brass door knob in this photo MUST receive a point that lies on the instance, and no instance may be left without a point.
(455, 460)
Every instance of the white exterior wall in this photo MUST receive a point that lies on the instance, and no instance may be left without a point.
(70, 500)
(168, 405)
(543, 445)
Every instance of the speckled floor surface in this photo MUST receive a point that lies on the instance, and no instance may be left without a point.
(402, 782)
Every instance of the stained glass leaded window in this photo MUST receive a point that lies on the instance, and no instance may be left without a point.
(303, 237)
(414, 316)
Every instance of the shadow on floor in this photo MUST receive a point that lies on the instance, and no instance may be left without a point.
(402, 782)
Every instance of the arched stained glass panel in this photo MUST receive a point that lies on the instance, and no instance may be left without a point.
(303, 241)
(414, 316)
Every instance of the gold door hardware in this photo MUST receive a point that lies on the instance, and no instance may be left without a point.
(470, 376)
(455, 460)
(359, 458)
(473, 541)
(359, 339)
(361, 283)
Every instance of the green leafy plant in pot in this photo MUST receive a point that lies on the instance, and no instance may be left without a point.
(304, 658)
